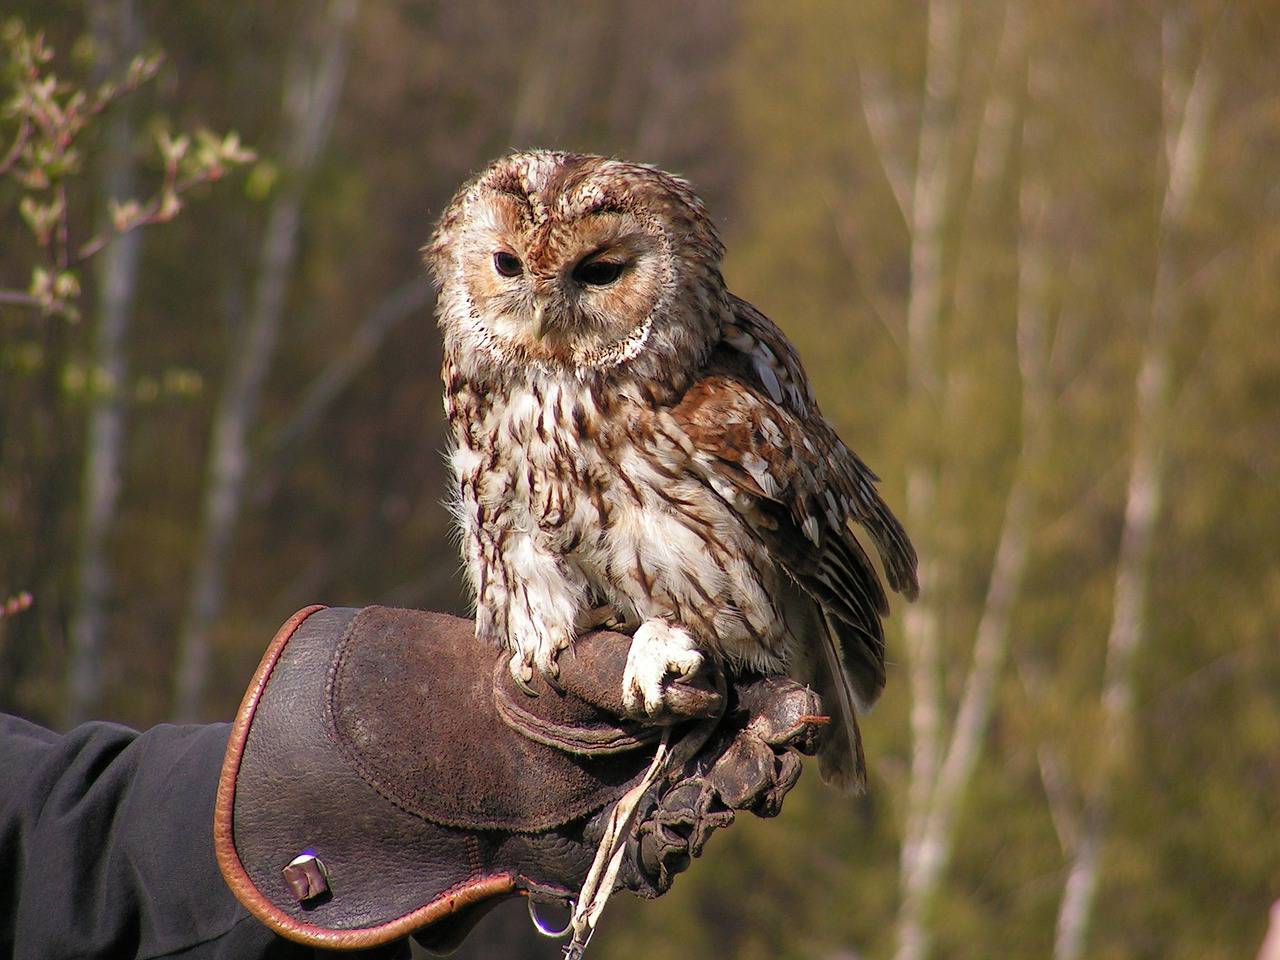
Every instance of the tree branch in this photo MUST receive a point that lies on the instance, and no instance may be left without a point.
(18, 298)
(992, 637)
(884, 121)
(346, 365)
(117, 30)
(15, 150)
(921, 625)
(880, 309)
(1064, 809)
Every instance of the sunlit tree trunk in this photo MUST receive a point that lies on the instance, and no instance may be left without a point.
(1187, 142)
(312, 86)
(926, 210)
(1270, 949)
(117, 37)
(945, 761)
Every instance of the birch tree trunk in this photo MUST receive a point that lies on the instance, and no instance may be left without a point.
(117, 35)
(928, 203)
(1188, 139)
(936, 799)
(312, 86)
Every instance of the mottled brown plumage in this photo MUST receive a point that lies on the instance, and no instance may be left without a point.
(628, 435)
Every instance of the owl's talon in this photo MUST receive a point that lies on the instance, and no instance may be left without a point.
(546, 655)
(660, 653)
(522, 674)
(539, 652)
(551, 674)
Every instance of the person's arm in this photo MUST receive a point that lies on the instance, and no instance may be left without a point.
(106, 848)
(381, 780)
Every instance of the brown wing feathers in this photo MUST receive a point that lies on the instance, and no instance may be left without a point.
(759, 354)
(750, 444)
(757, 426)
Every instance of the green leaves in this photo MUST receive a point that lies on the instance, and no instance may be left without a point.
(45, 120)
(42, 217)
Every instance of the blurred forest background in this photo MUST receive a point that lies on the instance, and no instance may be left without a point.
(1030, 253)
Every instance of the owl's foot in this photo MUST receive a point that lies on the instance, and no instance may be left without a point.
(660, 654)
(541, 655)
(607, 617)
(522, 673)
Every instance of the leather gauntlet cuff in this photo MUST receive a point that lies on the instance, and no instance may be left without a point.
(384, 775)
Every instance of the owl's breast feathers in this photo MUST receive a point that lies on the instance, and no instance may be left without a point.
(681, 502)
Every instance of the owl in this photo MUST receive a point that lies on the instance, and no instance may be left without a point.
(633, 444)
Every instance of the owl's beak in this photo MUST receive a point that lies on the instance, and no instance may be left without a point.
(541, 321)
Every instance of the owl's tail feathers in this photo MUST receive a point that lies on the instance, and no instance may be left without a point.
(841, 761)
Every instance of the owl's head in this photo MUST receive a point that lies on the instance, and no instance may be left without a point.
(577, 264)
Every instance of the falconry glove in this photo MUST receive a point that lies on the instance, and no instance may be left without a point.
(385, 777)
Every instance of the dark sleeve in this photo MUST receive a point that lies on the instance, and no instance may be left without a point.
(106, 848)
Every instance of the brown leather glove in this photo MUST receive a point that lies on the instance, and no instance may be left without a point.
(750, 763)
(384, 776)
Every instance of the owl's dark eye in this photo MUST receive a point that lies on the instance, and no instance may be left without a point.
(598, 273)
(507, 264)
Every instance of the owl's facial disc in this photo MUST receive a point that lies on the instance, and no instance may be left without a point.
(568, 291)
(577, 263)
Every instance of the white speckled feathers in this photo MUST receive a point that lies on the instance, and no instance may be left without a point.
(630, 435)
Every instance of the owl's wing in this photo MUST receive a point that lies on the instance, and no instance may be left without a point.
(794, 486)
(760, 441)
(757, 353)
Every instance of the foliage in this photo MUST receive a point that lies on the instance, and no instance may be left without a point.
(46, 121)
(760, 104)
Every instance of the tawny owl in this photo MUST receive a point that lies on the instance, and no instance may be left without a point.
(629, 435)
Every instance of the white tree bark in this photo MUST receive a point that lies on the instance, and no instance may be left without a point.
(1185, 158)
(1270, 949)
(312, 86)
(992, 638)
(937, 801)
(117, 35)
(928, 201)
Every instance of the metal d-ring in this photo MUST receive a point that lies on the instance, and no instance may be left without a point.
(543, 928)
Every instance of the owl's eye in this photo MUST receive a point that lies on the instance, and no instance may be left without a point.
(507, 264)
(598, 273)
